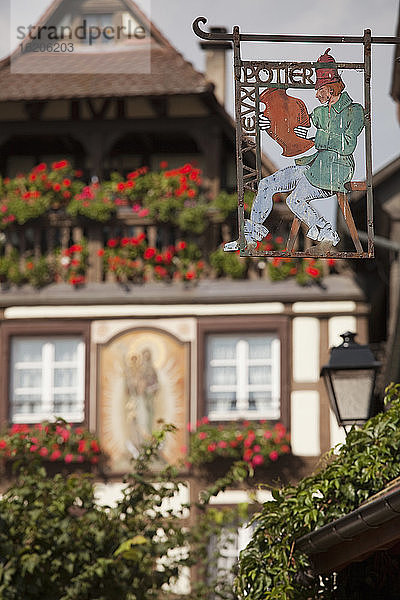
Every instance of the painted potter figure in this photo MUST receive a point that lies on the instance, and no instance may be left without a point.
(339, 122)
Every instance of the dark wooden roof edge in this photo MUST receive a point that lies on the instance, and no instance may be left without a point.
(379, 177)
(386, 171)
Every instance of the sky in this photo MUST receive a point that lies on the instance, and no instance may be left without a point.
(341, 17)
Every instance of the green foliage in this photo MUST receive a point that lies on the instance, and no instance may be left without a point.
(93, 202)
(58, 543)
(270, 566)
(193, 218)
(228, 264)
(9, 268)
(38, 272)
(226, 204)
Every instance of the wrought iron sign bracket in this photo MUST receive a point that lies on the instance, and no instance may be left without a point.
(255, 82)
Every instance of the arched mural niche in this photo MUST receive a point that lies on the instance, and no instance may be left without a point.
(143, 379)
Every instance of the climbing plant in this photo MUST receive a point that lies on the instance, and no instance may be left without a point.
(271, 568)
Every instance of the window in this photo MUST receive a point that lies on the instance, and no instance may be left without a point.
(99, 28)
(47, 378)
(242, 376)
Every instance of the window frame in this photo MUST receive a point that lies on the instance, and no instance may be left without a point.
(41, 329)
(264, 325)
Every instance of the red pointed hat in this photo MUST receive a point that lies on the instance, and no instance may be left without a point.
(326, 75)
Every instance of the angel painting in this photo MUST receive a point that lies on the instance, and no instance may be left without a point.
(143, 386)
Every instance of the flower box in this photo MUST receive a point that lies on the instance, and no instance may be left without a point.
(57, 446)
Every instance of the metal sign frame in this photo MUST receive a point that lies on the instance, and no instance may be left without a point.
(291, 75)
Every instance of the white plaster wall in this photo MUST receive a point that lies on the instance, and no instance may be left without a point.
(241, 496)
(305, 430)
(306, 336)
(108, 494)
(337, 306)
(142, 310)
(338, 325)
(184, 329)
(338, 435)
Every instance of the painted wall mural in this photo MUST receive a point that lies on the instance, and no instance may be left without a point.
(143, 380)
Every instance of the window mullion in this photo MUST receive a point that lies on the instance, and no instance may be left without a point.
(48, 378)
(242, 358)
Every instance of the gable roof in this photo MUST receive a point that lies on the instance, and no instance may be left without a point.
(102, 72)
(170, 74)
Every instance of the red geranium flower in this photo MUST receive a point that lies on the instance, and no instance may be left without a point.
(273, 455)
(94, 445)
(60, 164)
(247, 455)
(55, 455)
(257, 459)
(149, 253)
(312, 271)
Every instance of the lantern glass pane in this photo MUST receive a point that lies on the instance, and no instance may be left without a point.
(353, 390)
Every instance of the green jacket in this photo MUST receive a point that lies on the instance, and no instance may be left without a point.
(335, 140)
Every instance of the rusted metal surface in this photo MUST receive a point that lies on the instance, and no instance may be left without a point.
(257, 80)
(317, 39)
(368, 139)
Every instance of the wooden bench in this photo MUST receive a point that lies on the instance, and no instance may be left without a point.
(343, 200)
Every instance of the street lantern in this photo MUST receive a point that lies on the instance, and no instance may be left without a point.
(350, 380)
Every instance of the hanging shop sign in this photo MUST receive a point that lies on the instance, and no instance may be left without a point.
(319, 143)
